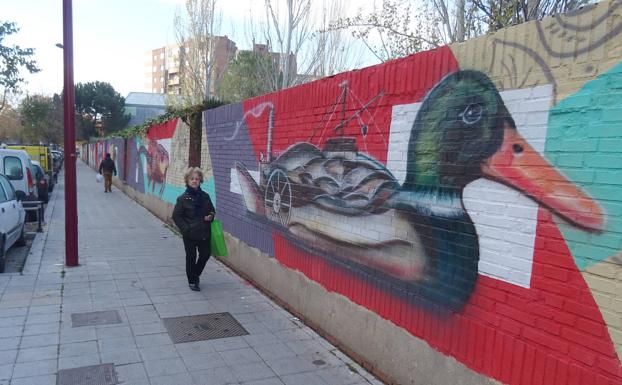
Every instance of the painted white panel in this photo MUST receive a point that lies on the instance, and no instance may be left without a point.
(505, 219)
(234, 186)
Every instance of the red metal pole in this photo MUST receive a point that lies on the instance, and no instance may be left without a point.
(71, 204)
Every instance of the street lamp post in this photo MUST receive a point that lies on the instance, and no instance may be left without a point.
(71, 203)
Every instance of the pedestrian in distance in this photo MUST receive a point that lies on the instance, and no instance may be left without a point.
(107, 168)
(193, 215)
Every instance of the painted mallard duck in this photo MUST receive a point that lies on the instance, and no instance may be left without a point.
(348, 205)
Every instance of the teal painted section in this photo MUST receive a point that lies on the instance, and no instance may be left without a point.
(171, 192)
(584, 141)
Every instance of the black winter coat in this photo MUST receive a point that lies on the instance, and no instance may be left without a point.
(107, 166)
(193, 226)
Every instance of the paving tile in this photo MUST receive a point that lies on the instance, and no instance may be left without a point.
(13, 321)
(43, 318)
(290, 365)
(197, 347)
(252, 371)
(12, 312)
(37, 354)
(36, 329)
(273, 351)
(175, 379)
(10, 331)
(122, 356)
(8, 356)
(9, 343)
(153, 340)
(78, 348)
(113, 332)
(214, 376)
(35, 368)
(231, 343)
(39, 340)
(106, 344)
(153, 353)
(239, 356)
(77, 335)
(6, 371)
(37, 380)
(266, 381)
(309, 378)
(340, 375)
(166, 367)
(148, 328)
(261, 339)
(79, 361)
(131, 373)
(203, 361)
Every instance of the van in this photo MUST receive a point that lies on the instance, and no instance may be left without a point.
(41, 154)
(17, 167)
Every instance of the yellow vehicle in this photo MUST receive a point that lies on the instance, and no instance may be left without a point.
(39, 153)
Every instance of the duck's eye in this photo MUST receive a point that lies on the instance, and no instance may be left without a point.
(472, 113)
(517, 148)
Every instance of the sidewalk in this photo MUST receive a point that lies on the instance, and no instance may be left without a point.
(132, 268)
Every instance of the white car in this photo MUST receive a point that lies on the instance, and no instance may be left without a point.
(17, 166)
(12, 218)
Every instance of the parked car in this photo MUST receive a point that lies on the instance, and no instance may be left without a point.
(17, 167)
(43, 182)
(57, 163)
(12, 218)
(41, 154)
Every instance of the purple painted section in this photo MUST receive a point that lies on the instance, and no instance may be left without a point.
(134, 167)
(226, 147)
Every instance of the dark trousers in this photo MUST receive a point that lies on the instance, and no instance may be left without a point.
(194, 266)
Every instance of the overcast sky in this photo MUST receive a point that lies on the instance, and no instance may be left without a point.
(112, 36)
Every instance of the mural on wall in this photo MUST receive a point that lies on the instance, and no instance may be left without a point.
(475, 201)
(156, 162)
(422, 235)
(152, 160)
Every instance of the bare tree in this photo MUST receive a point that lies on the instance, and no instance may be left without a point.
(285, 28)
(394, 29)
(330, 51)
(401, 27)
(196, 38)
(497, 14)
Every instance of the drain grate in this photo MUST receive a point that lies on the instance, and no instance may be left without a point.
(95, 318)
(88, 375)
(203, 327)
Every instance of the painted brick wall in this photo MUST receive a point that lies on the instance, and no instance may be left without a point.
(179, 155)
(470, 195)
(544, 232)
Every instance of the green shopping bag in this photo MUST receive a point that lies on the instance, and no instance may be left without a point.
(217, 239)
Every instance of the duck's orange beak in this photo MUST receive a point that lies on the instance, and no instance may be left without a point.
(518, 165)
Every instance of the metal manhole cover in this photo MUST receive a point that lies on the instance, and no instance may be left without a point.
(88, 375)
(95, 318)
(203, 327)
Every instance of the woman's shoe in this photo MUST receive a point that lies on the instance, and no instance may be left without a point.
(195, 287)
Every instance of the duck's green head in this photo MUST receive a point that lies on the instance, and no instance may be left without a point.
(459, 125)
(463, 131)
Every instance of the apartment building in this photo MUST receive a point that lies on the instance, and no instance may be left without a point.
(164, 66)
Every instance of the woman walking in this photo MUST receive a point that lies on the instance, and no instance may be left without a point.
(193, 214)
